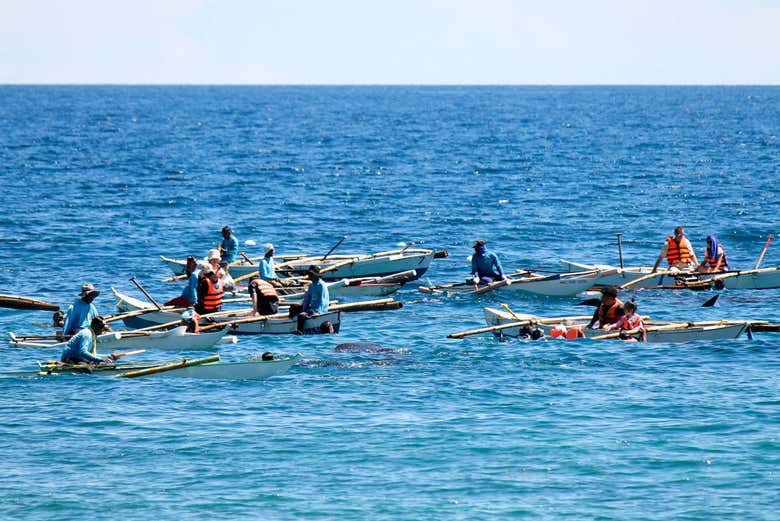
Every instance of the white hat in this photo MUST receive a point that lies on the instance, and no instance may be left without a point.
(268, 247)
(214, 254)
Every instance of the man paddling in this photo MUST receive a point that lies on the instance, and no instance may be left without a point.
(82, 348)
(81, 312)
(316, 300)
(189, 295)
(609, 310)
(229, 245)
(485, 266)
(678, 252)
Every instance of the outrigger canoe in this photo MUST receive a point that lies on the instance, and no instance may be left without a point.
(656, 331)
(203, 368)
(238, 322)
(336, 267)
(529, 283)
(763, 278)
(172, 339)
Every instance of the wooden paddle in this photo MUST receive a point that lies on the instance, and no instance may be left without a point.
(344, 238)
(491, 287)
(138, 285)
(19, 302)
(642, 279)
(763, 252)
(117, 356)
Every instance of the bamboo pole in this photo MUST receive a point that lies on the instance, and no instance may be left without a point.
(170, 367)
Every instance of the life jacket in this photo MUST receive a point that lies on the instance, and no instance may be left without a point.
(631, 323)
(609, 316)
(574, 333)
(676, 254)
(212, 300)
(264, 288)
(714, 262)
(266, 298)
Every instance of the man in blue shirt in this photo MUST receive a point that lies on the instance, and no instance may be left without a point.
(189, 295)
(485, 266)
(82, 311)
(267, 269)
(82, 348)
(229, 245)
(316, 300)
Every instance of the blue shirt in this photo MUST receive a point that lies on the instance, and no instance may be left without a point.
(486, 265)
(79, 316)
(317, 298)
(190, 291)
(79, 348)
(267, 271)
(229, 249)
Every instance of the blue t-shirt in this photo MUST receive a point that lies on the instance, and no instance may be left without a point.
(486, 265)
(79, 315)
(267, 271)
(79, 348)
(317, 298)
(229, 249)
(190, 291)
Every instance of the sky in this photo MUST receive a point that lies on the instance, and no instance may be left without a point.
(453, 42)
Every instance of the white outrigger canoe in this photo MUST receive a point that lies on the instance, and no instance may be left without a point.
(558, 285)
(204, 368)
(656, 331)
(173, 339)
(336, 267)
(272, 324)
(762, 278)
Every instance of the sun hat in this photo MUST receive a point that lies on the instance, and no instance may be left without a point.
(88, 289)
(268, 247)
(213, 254)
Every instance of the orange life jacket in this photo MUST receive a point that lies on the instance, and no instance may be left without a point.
(609, 316)
(631, 323)
(265, 288)
(714, 262)
(676, 254)
(212, 300)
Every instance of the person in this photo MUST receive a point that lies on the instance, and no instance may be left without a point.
(192, 320)
(714, 257)
(678, 252)
(485, 266)
(265, 300)
(189, 295)
(267, 269)
(229, 245)
(609, 310)
(316, 300)
(81, 312)
(629, 324)
(82, 348)
(212, 258)
(209, 292)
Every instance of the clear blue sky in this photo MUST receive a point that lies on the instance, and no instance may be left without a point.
(390, 42)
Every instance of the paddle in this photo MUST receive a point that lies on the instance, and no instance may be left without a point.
(344, 238)
(620, 248)
(246, 257)
(138, 285)
(763, 252)
(642, 279)
(117, 356)
(491, 287)
(19, 302)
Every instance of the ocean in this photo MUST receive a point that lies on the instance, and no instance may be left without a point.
(99, 181)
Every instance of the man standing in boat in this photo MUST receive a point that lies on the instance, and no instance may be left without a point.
(316, 300)
(189, 295)
(229, 245)
(82, 348)
(82, 311)
(609, 310)
(678, 252)
(485, 266)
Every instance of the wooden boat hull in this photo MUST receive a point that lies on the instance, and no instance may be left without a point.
(350, 266)
(246, 370)
(270, 326)
(173, 339)
(495, 317)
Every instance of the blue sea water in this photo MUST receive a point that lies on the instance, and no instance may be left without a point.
(97, 182)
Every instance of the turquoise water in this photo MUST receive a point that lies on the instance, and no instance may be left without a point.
(99, 181)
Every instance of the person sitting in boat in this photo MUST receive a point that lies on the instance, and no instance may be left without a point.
(212, 259)
(265, 300)
(678, 252)
(229, 245)
(609, 310)
(485, 266)
(189, 295)
(81, 312)
(209, 292)
(82, 348)
(316, 300)
(714, 257)
(629, 324)
(267, 270)
(192, 320)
